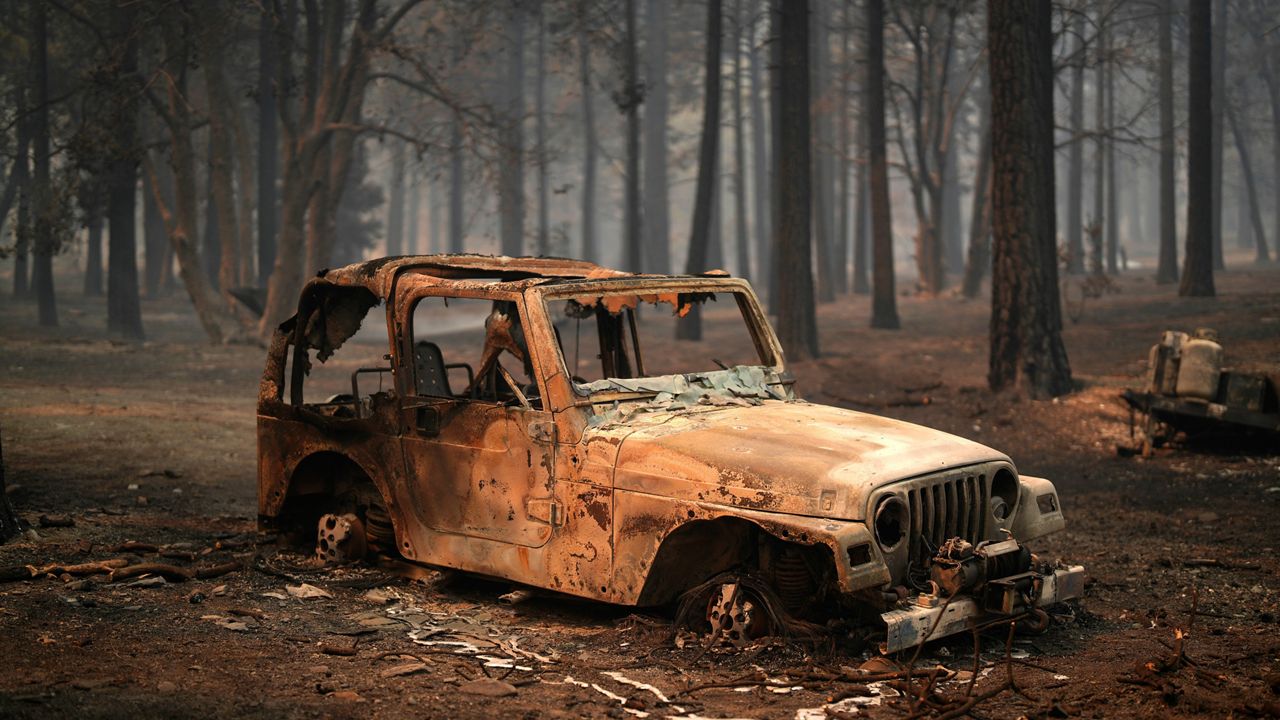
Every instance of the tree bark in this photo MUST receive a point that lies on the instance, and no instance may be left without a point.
(1197, 272)
(124, 314)
(511, 165)
(268, 142)
(759, 153)
(657, 216)
(1075, 167)
(43, 246)
(690, 327)
(630, 98)
(1219, 100)
(221, 156)
(590, 252)
(22, 181)
(1261, 254)
(156, 253)
(542, 240)
(797, 321)
(93, 256)
(843, 184)
(742, 242)
(1112, 213)
(884, 303)
(1167, 268)
(820, 158)
(1269, 75)
(1026, 321)
(1097, 228)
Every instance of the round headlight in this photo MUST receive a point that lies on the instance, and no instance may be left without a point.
(891, 522)
(1004, 495)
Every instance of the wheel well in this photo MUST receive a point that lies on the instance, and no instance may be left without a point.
(325, 482)
(701, 549)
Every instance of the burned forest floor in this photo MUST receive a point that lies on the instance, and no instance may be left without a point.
(146, 453)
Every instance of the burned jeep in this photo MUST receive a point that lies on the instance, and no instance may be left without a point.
(533, 420)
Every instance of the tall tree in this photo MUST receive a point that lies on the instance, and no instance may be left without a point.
(124, 315)
(1219, 102)
(843, 181)
(979, 258)
(1167, 267)
(590, 252)
(1097, 229)
(741, 243)
(823, 215)
(1075, 164)
(1112, 213)
(1026, 320)
(797, 319)
(629, 100)
(690, 328)
(22, 184)
(268, 141)
(511, 163)
(1197, 271)
(542, 240)
(657, 216)
(44, 239)
(884, 304)
(759, 153)
(1262, 255)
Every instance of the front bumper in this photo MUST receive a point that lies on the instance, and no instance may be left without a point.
(930, 617)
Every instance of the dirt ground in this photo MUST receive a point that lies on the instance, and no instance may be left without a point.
(154, 443)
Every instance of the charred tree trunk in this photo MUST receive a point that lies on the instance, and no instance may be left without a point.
(843, 220)
(1219, 100)
(211, 250)
(43, 245)
(590, 252)
(221, 159)
(775, 139)
(156, 245)
(1075, 167)
(1262, 254)
(1269, 74)
(742, 243)
(1112, 213)
(1026, 320)
(1167, 269)
(861, 208)
(797, 321)
(629, 101)
(657, 216)
(511, 166)
(22, 183)
(542, 240)
(690, 328)
(268, 143)
(820, 158)
(884, 303)
(759, 154)
(1097, 227)
(1197, 272)
(124, 314)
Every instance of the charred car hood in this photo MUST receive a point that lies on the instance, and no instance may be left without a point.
(788, 457)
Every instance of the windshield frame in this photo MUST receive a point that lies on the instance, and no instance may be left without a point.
(766, 343)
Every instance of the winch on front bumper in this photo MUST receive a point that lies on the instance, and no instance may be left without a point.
(973, 585)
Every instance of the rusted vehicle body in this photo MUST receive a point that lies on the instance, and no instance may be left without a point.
(596, 475)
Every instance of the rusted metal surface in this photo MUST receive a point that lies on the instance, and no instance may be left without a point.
(627, 489)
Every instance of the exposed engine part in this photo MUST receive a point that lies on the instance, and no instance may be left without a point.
(960, 567)
(792, 580)
(378, 529)
(736, 615)
(340, 539)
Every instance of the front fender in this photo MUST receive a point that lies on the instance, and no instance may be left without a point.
(1039, 510)
(644, 522)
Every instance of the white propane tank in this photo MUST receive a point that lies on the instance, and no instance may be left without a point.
(1162, 363)
(1201, 366)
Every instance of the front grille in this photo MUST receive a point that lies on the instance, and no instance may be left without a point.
(946, 507)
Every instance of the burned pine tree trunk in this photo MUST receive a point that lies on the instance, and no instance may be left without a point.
(979, 257)
(124, 314)
(1075, 166)
(93, 255)
(690, 327)
(22, 184)
(1026, 320)
(268, 143)
(741, 243)
(1112, 213)
(590, 252)
(10, 523)
(820, 157)
(1098, 224)
(629, 101)
(43, 241)
(884, 304)
(843, 183)
(759, 153)
(1167, 267)
(1197, 271)
(1262, 255)
(657, 216)
(542, 240)
(511, 163)
(797, 320)
(1219, 101)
